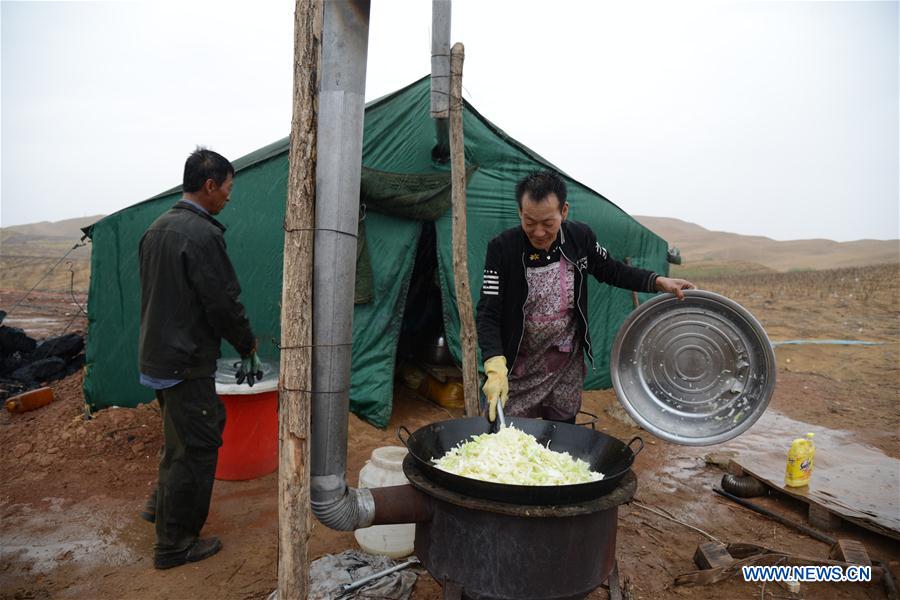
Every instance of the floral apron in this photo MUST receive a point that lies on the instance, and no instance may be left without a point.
(548, 375)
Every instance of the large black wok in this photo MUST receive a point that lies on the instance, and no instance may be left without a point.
(604, 454)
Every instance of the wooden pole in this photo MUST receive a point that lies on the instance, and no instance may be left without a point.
(296, 310)
(467, 335)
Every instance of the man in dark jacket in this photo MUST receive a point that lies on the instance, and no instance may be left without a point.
(532, 315)
(189, 302)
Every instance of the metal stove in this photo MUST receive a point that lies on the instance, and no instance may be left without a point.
(482, 549)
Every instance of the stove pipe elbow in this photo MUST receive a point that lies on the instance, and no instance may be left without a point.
(340, 507)
(343, 508)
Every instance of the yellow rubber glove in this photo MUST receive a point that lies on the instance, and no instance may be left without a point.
(497, 385)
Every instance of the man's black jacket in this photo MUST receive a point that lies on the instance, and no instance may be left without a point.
(504, 288)
(189, 296)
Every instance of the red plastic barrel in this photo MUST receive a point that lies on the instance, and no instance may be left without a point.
(250, 440)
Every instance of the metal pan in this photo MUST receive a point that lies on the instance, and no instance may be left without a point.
(605, 454)
(697, 372)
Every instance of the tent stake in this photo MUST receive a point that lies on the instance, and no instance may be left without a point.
(467, 333)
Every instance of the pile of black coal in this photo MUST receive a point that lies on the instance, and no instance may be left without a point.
(27, 364)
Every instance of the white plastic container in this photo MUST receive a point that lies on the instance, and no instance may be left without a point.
(383, 469)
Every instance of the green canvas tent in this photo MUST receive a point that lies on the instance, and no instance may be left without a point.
(399, 135)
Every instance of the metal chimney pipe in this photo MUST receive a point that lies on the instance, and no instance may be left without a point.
(440, 59)
(345, 37)
(440, 78)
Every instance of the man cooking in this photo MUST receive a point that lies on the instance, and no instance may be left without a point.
(532, 315)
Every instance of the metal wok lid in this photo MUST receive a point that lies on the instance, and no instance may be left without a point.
(697, 372)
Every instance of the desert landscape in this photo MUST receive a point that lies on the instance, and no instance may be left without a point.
(27, 252)
(72, 488)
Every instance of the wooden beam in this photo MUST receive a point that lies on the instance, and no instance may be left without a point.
(467, 335)
(296, 310)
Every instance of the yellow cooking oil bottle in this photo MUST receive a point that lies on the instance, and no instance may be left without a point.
(800, 462)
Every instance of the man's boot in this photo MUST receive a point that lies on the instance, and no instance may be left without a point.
(202, 548)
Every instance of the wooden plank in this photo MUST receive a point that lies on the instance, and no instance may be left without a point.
(821, 518)
(712, 555)
(850, 551)
(855, 482)
(751, 554)
(879, 523)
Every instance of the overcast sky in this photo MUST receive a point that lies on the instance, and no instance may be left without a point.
(768, 118)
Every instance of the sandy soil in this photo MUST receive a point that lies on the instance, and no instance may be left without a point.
(71, 489)
(43, 314)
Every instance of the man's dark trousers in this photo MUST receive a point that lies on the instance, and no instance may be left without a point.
(193, 421)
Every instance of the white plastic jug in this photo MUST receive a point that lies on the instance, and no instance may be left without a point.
(383, 469)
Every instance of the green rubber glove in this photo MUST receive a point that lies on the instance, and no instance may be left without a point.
(250, 369)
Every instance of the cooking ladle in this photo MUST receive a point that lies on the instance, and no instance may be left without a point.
(500, 418)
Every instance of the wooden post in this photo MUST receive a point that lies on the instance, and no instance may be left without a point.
(467, 335)
(296, 310)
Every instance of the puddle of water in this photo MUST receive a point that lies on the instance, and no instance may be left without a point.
(49, 534)
(826, 343)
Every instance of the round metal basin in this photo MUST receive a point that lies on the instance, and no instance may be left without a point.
(436, 352)
(697, 372)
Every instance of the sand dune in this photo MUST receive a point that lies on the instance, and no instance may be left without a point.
(28, 252)
(700, 246)
(69, 229)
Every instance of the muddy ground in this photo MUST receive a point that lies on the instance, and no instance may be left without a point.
(71, 489)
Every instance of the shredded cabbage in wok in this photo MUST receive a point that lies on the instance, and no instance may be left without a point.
(512, 456)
